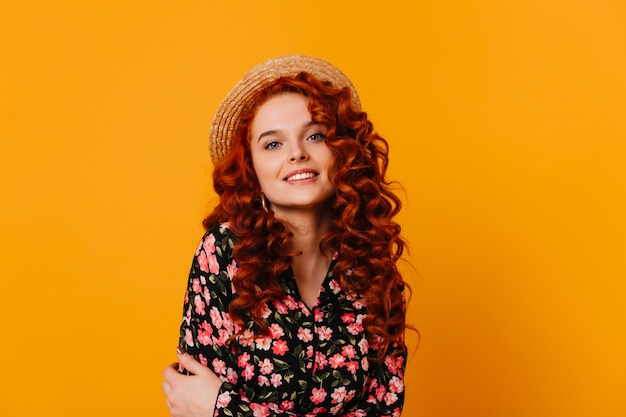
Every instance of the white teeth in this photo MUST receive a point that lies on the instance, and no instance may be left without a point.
(302, 176)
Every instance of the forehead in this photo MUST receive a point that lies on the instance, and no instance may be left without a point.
(282, 109)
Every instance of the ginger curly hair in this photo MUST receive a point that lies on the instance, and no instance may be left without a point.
(362, 230)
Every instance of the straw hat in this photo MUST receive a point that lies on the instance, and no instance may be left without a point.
(226, 120)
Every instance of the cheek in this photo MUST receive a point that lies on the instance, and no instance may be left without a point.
(330, 167)
(265, 169)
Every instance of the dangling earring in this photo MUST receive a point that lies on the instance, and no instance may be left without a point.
(263, 203)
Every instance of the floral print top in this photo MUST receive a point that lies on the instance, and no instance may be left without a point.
(312, 362)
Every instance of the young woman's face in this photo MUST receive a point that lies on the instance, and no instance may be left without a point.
(289, 154)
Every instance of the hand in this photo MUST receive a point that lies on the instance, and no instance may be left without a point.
(190, 395)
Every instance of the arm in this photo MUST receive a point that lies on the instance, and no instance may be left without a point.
(194, 395)
(384, 392)
(205, 332)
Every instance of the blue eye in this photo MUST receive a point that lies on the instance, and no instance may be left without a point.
(316, 137)
(272, 145)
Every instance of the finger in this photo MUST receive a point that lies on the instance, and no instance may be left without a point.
(171, 372)
(190, 363)
(166, 387)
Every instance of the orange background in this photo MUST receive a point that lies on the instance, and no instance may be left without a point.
(507, 124)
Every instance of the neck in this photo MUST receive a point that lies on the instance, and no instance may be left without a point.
(308, 227)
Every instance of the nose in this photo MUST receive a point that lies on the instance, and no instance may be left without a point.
(298, 155)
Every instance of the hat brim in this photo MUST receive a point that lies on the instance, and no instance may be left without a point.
(227, 118)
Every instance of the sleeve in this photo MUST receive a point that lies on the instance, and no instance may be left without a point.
(206, 326)
(384, 391)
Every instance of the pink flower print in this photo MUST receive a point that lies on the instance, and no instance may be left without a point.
(246, 338)
(188, 337)
(318, 395)
(228, 323)
(231, 376)
(216, 317)
(336, 410)
(391, 364)
(352, 367)
(324, 333)
(355, 328)
(203, 360)
(266, 367)
(276, 332)
(202, 280)
(224, 335)
(260, 410)
(248, 372)
(290, 302)
(276, 380)
(223, 400)
(214, 267)
(263, 343)
(396, 384)
(232, 270)
(309, 351)
(203, 261)
(197, 301)
(348, 351)
(265, 311)
(365, 364)
(337, 361)
(204, 337)
(243, 359)
(195, 286)
(287, 405)
(334, 286)
(364, 346)
(209, 244)
(279, 347)
(396, 412)
(390, 398)
(262, 380)
(320, 360)
(380, 391)
(376, 340)
(399, 363)
(305, 334)
(347, 318)
(338, 395)
(280, 307)
(318, 316)
(358, 304)
(219, 366)
(187, 318)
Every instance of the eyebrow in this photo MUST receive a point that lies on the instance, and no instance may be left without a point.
(273, 132)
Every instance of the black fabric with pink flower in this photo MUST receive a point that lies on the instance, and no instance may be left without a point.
(312, 362)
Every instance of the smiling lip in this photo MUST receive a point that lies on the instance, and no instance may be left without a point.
(301, 175)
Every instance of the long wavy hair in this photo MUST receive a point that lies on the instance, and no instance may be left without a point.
(362, 230)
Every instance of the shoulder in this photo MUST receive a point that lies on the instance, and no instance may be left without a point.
(219, 231)
(214, 254)
(218, 239)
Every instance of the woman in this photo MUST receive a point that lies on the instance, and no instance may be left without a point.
(294, 303)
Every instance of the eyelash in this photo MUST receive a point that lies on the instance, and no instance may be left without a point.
(274, 143)
(269, 145)
(319, 134)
